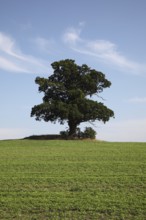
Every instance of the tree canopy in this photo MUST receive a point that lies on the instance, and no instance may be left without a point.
(67, 95)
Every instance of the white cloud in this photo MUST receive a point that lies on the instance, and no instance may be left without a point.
(37, 129)
(6, 44)
(72, 36)
(10, 66)
(13, 60)
(129, 130)
(137, 100)
(105, 51)
(13, 133)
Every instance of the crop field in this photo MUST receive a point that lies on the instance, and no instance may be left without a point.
(85, 180)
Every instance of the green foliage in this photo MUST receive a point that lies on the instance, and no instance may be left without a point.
(66, 95)
(64, 134)
(76, 180)
(87, 133)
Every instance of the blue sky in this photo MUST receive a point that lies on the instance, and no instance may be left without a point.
(108, 35)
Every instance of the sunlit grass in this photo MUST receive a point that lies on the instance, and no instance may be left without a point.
(72, 180)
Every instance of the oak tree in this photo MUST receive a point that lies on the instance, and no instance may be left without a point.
(67, 95)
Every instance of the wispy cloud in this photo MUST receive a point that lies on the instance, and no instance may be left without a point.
(14, 60)
(105, 51)
(138, 100)
(72, 37)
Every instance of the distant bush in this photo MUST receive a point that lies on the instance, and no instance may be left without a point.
(44, 137)
(87, 133)
(64, 134)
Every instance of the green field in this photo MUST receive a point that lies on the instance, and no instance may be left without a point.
(72, 180)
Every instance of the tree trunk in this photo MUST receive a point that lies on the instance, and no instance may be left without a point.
(72, 128)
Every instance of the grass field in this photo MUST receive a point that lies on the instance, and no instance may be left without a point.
(72, 180)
